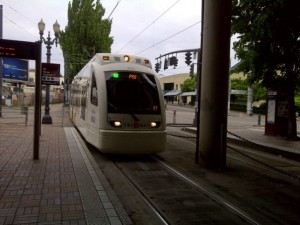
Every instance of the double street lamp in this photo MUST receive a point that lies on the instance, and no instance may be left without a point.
(47, 119)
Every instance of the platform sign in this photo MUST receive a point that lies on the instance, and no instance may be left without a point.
(50, 74)
(17, 49)
(15, 70)
(28, 50)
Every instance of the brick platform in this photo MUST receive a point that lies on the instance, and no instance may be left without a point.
(64, 186)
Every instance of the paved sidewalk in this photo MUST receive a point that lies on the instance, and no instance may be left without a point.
(65, 186)
(242, 127)
(246, 127)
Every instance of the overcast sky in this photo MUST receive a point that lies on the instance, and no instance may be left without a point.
(142, 27)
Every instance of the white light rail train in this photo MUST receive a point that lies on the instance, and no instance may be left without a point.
(116, 103)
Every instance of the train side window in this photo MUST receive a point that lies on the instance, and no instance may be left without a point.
(94, 92)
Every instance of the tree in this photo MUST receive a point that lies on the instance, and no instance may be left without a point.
(259, 92)
(238, 84)
(268, 46)
(85, 34)
(189, 85)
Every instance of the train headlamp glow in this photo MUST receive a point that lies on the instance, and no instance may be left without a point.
(126, 58)
(117, 124)
(153, 124)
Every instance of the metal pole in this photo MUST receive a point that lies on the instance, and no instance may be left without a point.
(37, 106)
(62, 117)
(47, 119)
(214, 83)
(26, 115)
(249, 101)
(1, 62)
(174, 116)
(199, 67)
(65, 81)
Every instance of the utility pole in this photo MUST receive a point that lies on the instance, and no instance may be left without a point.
(1, 61)
(214, 83)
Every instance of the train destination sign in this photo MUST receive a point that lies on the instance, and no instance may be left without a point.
(50, 74)
(17, 49)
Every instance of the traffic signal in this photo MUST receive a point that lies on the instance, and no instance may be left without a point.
(166, 64)
(188, 58)
(192, 69)
(157, 67)
(176, 62)
(173, 61)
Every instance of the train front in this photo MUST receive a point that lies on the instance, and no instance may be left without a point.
(135, 108)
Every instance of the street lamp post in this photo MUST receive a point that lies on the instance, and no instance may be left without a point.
(47, 119)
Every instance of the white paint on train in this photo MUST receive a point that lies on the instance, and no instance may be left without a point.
(117, 104)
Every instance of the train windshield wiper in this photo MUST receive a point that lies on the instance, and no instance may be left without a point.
(153, 85)
(135, 118)
(112, 106)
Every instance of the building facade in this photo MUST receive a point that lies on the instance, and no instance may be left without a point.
(172, 87)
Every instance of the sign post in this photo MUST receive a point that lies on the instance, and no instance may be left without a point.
(50, 74)
(28, 50)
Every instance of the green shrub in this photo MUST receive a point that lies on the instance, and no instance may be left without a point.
(238, 107)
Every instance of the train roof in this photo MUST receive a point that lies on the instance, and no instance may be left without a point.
(109, 58)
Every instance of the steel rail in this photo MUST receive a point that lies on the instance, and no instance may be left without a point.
(211, 195)
(138, 190)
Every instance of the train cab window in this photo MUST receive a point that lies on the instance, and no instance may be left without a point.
(94, 92)
(132, 92)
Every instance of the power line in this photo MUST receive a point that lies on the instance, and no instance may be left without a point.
(16, 11)
(168, 37)
(20, 27)
(148, 26)
(114, 9)
(19, 13)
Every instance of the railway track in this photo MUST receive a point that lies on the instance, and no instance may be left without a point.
(261, 184)
(169, 188)
(184, 202)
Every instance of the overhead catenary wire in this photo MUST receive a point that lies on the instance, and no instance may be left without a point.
(14, 23)
(114, 9)
(135, 37)
(168, 37)
(17, 25)
(13, 9)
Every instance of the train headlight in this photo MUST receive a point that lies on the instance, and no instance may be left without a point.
(154, 124)
(116, 123)
(126, 58)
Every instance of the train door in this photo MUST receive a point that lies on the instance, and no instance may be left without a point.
(71, 103)
(83, 101)
(93, 112)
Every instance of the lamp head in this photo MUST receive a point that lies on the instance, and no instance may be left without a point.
(41, 26)
(56, 27)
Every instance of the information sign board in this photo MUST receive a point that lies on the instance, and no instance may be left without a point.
(15, 70)
(17, 49)
(50, 74)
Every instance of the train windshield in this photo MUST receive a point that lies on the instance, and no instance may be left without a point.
(132, 92)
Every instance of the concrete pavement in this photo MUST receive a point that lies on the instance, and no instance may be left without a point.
(64, 186)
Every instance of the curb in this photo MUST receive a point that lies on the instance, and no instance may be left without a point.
(286, 153)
